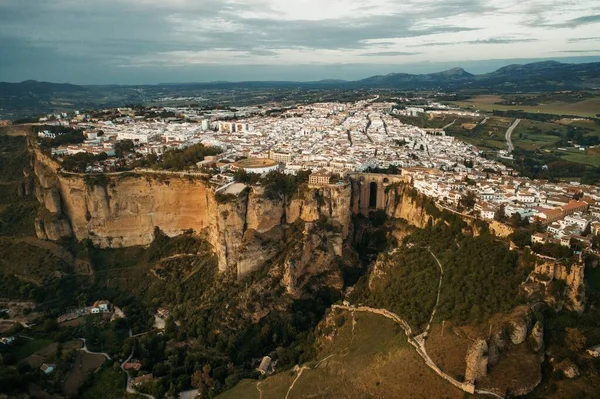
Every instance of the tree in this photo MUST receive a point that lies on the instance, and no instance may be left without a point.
(521, 238)
(468, 200)
(515, 220)
(124, 147)
(500, 214)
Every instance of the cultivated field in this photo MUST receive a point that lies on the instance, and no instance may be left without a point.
(586, 108)
(83, 365)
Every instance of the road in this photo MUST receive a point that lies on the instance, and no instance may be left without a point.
(130, 389)
(449, 124)
(509, 133)
(86, 350)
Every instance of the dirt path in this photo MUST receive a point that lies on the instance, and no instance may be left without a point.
(86, 350)
(437, 301)
(449, 124)
(299, 370)
(130, 389)
(419, 345)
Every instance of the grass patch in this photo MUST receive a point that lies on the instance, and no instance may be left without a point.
(29, 262)
(27, 347)
(574, 155)
(368, 359)
(109, 383)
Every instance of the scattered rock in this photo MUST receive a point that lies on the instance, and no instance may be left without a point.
(567, 368)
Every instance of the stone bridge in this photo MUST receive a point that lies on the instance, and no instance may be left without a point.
(370, 189)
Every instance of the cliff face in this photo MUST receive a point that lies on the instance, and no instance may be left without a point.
(543, 281)
(122, 210)
(400, 204)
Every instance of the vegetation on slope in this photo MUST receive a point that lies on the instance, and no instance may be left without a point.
(481, 277)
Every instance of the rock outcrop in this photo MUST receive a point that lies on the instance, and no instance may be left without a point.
(545, 277)
(567, 368)
(477, 361)
(510, 358)
(536, 338)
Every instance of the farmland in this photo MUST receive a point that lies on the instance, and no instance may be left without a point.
(83, 365)
(587, 107)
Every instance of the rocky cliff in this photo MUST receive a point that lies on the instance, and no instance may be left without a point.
(122, 210)
(558, 285)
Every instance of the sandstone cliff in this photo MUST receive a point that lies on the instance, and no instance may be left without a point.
(122, 210)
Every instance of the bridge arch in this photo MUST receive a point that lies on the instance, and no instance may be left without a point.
(373, 189)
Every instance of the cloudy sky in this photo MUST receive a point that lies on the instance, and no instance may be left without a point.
(151, 41)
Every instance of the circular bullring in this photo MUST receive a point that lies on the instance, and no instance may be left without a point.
(256, 165)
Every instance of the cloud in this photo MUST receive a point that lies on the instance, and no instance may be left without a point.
(480, 41)
(576, 22)
(583, 39)
(388, 53)
(580, 51)
(110, 35)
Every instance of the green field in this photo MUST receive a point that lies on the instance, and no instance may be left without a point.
(585, 108)
(26, 347)
(575, 155)
(109, 383)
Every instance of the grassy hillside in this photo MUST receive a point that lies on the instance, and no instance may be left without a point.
(360, 356)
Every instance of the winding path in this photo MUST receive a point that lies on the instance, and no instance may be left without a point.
(423, 336)
(86, 350)
(419, 345)
(509, 133)
(130, 389)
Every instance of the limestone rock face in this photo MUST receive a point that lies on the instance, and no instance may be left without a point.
(513, 329)
(573, 297)
(308, 262)
(520, 321)
(477, 361)
(53, 228)
(52, 200)
(575, 291)
(40, 232)
(401, 203)
(264, 214)
(537, 337)
(124, 209)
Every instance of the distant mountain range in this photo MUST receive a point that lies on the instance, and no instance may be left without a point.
(30, 97)
(548, 75)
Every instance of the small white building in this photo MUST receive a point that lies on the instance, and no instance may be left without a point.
(48, 368)
(265, 363)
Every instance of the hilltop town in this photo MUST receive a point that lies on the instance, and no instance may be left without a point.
(330, 141)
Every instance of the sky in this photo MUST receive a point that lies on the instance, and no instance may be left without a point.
(153, 41)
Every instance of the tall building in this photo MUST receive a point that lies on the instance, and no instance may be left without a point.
(282, 157)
